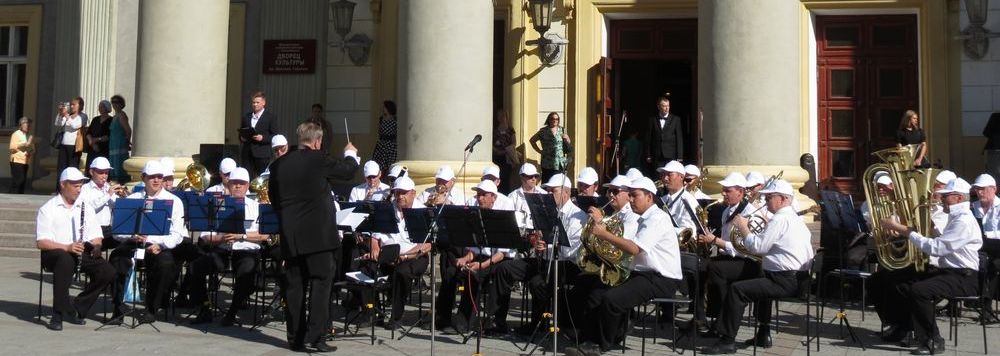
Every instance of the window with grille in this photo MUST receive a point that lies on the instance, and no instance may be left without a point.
(13, 66)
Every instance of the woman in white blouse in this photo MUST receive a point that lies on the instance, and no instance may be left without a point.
(69, 122)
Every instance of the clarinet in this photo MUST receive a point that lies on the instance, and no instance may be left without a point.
(79, 260)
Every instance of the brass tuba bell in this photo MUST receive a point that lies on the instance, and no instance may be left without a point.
(196, 177)
(259, 186)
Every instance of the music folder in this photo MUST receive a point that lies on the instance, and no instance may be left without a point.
(545, 217)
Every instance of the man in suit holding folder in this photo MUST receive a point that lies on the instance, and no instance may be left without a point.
(256, 129)
(300, 194)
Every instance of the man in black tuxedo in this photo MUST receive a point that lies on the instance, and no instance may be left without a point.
(300, 194)
(256, 129)
(666, 138)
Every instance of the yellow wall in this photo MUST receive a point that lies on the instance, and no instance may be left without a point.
(31, 16)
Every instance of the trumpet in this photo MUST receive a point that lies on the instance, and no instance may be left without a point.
(440, 196)
(120, 190)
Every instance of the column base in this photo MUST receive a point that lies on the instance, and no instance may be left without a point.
(422, 172)
(795, 175)
(46, 183)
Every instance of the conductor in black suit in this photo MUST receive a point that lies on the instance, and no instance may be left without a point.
(300, 194)
(256, 129)
(666, 138)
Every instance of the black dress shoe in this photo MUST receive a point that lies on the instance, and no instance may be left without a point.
(930, 348)
(894, 334)
(720, 348)
(228, 320)
(55, 323)
(74, 319)
(763, 340)
(145, 317)
(204, 316)
(297, 347)
(321, 346)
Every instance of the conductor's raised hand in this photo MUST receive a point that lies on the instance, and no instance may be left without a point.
(350, 147)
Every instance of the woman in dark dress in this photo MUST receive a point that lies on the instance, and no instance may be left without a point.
(910, 133)
(99, 133)
(504, 155)
(385, 148)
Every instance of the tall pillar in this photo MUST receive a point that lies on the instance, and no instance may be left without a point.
(181, 94)
(445, 85)
(750, 87)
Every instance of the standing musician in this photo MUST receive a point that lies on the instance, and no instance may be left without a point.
(69, 236)
(957, 250)
(413, 259)
(372, 188)
(586, 183)
(300, 194)
(226, 167)
(240, 250)
(101, 194)
(987, 213)
(656, 271)
(443, 191)
(492, 173)
(729, 265)
(786, 245)
(158, 255)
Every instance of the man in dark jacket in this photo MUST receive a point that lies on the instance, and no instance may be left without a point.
(666, 136)
(300, 193)
(992, 148)
(256, 130)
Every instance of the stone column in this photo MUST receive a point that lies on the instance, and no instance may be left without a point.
(181, 80)
(749, 83)
(445, 85)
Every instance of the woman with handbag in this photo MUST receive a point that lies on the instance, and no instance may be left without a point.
(69, 125)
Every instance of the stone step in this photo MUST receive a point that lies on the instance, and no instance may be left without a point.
(19, 252)
(17, 227)
(18, 214)
(17, 240)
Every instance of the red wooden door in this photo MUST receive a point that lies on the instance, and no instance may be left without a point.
(867, 79)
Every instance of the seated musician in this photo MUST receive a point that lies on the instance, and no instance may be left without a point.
(987, 213)
(101, 195)
(69, 236)
(372, 188)
(241, 251)
(443, 191)
(586, 183)
(226, 167)
(529, 184)
(786, 247)
(656, 272)
(691, 174)
(957, 250)
(158, 258)
(412, 262)
(679, 202)
(492, 173)
(729, 265)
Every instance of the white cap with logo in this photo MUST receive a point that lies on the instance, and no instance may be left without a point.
(492, 171)
(168, 166)
(100, 163)
(619, 181)
(754, 178)
(152, 168)
(403, 183)
(633, 174)
(957, 185)
(692, 170)
(945, 177)
(779, 186)
(371, 169)
(486, 186)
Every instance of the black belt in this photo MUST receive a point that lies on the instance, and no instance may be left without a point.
(959, 271)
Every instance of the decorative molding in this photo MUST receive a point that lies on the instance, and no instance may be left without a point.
(376, 7)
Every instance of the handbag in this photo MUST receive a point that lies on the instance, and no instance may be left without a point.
(78, 146)
(57, 138)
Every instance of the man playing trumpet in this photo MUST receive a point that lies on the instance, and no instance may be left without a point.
(101, 194)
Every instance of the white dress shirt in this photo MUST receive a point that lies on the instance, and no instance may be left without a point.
(218, 188)
(402, 238)
(630, 220)
(254, 117)
(360, 192)
(70, 125)
(959, 244)
(457, 196)
(657, 238)
(177, 229)
(786, 244)
(60, 222)
(573, 220)
(675, 205)
(939, 218)
(727, 227)
(521, 206)
(989, 217)
(250, 223)
(102, 199)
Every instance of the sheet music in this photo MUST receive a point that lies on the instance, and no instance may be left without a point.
(348, 217)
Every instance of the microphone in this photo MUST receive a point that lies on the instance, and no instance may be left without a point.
(473, 143)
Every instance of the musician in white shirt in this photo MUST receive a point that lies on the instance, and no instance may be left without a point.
(101, 195)
(492, 173)
(529, 184)
(987, 213)
(586, 182)
(444, 190)
(372, 188)
(69, 237)
(226, 167)
(679, 202)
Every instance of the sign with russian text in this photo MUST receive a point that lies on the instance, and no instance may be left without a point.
(289, 56)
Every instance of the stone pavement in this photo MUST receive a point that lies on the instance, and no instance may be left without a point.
(22, 334)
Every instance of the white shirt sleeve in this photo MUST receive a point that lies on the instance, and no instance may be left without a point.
(954, 237)
(43, 226)
(761, 244)
(92, 229)
(353, 154)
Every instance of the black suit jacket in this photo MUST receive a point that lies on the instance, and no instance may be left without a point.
(666, 143)
(300, 195)
(267, 126)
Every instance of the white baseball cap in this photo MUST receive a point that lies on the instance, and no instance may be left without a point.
(492, 170)
(587, 176)
(403, 183)
(619, 181)
(779, 186)
(396, 170)
(371, 169)
(558, 180)
(71, 174)
(168, 166)
(883, 179)
(985, 180)
(227, 165)
(152, 168)
(946, 176)
(734, 179)
(278, 140)
(240, 174)
(692, 170)
(754, 178)
(672, 166)
(957, 185)
(445, 172)
(633, 174)
(486, 186)
(100, 163)
(644, 184)
(528, 169)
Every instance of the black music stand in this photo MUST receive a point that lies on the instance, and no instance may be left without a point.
(547, 218)
(601, 202)
(838, 210)
(138, 217)
(419, 225)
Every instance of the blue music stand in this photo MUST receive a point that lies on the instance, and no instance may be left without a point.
(267, 220)
(197, 210)
(230, 215)
(141, 217)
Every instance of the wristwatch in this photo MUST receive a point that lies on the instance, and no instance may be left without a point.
(244, 237)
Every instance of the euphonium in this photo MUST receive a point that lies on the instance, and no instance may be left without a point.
(196, 177)
(259, 186)
(756, 223)
(600, 257)
(910, 203)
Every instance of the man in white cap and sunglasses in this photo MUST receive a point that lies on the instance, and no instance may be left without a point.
(678, 201)
(492, 173)
(530, 184)
(957, 250)
(987, 213)
(586, 182)
(372, 188)
(786, 247)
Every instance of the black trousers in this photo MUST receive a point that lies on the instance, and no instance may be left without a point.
(315, 270)
(19, 177)
(885, 293)
(761, 291)
(607, 309)
(990, 264)
(401, 278)
(67, 157)
(62, 264)
(470, 296)
(244, 265)
(922, 295)
(255, 165)
(504, 277)
(449, 282)
(722, 271)
(160, 272)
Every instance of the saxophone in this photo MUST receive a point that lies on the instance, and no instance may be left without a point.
(687, 240)
(602, 258)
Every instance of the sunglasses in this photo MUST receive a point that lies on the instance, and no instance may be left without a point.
(101, 171)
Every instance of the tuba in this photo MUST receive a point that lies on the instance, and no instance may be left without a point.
(259, 186)
(756, 223)
(600, 257)
(910, 202)
(196, 177)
